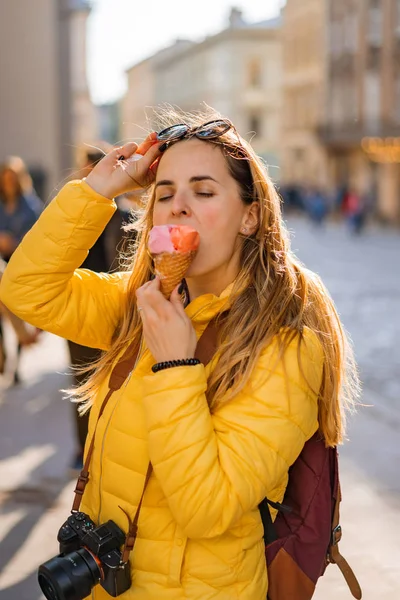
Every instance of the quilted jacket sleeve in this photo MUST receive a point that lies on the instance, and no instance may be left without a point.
(42, 283)
(214, 468)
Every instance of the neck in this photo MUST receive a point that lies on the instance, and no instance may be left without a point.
(214, 282)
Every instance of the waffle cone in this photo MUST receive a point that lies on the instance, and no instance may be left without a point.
(171, 268)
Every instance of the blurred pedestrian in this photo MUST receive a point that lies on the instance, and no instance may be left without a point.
(316, 203)
(19, 167)
(101, 258)
(19, 210)
(355, 211)
(220, 439)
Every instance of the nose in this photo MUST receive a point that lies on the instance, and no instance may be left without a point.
(180, 204)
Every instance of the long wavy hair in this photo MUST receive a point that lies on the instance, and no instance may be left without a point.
(274, 296)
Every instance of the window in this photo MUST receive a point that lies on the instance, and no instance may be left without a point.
(255, 124)
(372, 100)
(375, 23)
(255, 73)
(351, 33)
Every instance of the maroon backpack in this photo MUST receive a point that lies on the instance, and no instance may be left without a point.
(304, 537)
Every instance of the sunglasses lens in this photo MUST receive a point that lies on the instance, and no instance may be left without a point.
(213, 129)
(172, 133)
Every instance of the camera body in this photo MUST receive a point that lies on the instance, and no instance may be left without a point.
(88, 555)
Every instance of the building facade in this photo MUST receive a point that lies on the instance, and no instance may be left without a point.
(237, 72)
(44, 104)
(304, 89)
(83, 114)
(140, 98)
(362, 125)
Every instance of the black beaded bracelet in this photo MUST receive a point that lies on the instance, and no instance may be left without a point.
(184, 362)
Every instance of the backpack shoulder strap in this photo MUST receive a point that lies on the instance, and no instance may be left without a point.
(334, 555)
(208, 342)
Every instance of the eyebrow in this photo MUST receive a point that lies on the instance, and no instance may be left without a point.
(194, 179)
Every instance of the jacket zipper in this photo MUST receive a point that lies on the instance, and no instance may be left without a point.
(108, 425)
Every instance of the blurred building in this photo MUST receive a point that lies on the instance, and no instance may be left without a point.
(140, 98)
(304, 81)
(45, 109)
(362, 127)
(82, 113)
(109, 122)
(237, 71)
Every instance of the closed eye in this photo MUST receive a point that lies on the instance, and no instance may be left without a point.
(202, 194)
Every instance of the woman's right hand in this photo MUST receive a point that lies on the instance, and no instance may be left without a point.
(114, 175)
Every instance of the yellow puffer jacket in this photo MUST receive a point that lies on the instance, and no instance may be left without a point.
(200, 532)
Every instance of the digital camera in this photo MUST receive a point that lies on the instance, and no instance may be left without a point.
(88, 555)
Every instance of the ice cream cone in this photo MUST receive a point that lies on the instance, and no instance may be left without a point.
(171, 268)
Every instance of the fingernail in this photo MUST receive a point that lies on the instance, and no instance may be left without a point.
(181, 288)
(163, 147)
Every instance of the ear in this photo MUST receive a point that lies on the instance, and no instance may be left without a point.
(250, 219)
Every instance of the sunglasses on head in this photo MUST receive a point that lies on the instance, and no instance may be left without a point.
(208, 131)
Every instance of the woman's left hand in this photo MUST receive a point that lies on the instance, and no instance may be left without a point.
(167, 329)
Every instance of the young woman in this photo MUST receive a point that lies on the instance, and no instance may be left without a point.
(222, 437)
(19, 210)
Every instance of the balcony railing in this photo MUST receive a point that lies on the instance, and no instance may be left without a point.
(352, 133)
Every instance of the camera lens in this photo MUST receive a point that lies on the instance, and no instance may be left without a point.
(47, 588)
(69, 577)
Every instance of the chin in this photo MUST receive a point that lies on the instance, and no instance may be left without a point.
(197, 269)
(193, 271)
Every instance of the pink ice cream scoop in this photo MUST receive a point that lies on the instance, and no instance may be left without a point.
(173, 238)
(173, 248)
(160, 240)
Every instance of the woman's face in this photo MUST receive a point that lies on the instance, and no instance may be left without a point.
(9, 183)
(194, 187)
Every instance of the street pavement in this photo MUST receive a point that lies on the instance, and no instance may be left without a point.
(36, 437)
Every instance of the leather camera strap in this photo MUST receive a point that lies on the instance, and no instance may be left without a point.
(334, 555)
(118, 375)
(205, 350)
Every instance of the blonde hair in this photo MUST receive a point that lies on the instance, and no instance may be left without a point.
(273, 293)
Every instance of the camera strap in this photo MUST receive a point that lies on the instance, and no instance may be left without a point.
(118, 375)
(205, 350)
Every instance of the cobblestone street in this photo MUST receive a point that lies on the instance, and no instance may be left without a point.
(36, 441)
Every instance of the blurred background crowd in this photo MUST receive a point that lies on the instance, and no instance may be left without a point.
(315, 86)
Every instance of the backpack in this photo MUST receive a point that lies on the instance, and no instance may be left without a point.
(304, 537)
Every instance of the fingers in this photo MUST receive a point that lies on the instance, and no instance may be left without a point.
(126, 151)
(131, 148)
(150, 298)
(176, 301)
(151, 155)
(147, 143)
